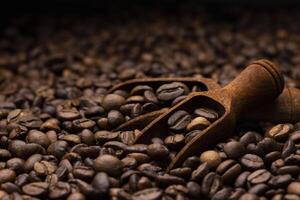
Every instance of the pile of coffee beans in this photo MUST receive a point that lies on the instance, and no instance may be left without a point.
(124, 105)
(57, 117)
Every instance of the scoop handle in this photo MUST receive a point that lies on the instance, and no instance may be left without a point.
(286, 108)
(260, 82)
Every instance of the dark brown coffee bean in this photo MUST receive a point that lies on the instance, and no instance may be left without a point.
(72, 139)
(36, 188)
(83, 172)
(292, 160)
(222, 194)
(115, 118)
(7, 175)
(44, 168)
(51, 124)
(280, 181)
(272, 156)
(189, 136)
(109, 164)
(112, 102)
(170, 91)
(259, 176)
(167, 180)
(22, 179)
(60, 190)
(252, 162)
(184, 172)
(158, 151)
(101, 183)
(140, 89)
(288, 148)
(194, 189)
(207, 113)
(258, 189)
(200, 172)
(58, 149)
(268, 145)
(35, 136)
(293, 170)
(83, 123)
(229, 170)
(68, 114)
(179, 120)
(241, 180)
(234, 149)
(248, 138)
(212, 158)
(150, 194)
(174, 141)
(4, 154)
(87, 137)
(211, 184)
(191, 162)
(15, 164)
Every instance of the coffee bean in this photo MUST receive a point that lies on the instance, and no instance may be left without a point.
(58, 149)
(212, 158)
(191, 162)
(101, 183)
(115, 118)
(166, 180)
(198, 123)
(36, 188)
(272, 156)
(200, 172)
(174, 141)
(140, 89)
(179, 120)
(258, 189)
(15, 164)
(109, 164)
(279, 132)
(252, 162)
(234, 149)
(249, 196)
(288, 148)
(184, 172)
(293, 188)
(170, 91)
(229, 170)
(194, 189)
(150, 193)
(60, 190)
(259, 176)
(157, 151)
(83, 172)
(222, 194)
(112, 102)
(211, 184)
(7, 175)
(207, 113)
(35, 136)
(76, 196)
(68, 114)
(293, 170)
(83, 123)
(280, 181)
(241, 180)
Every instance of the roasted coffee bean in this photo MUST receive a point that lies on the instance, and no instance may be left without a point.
(112, 101)
(280, 132)
(189, 136)
(36, 188)
(229, 170)
(194, 189)
(207, 113)
(101, 183)
(157, 151)
(174, 141)
(252, 162)
(7, 175)
(259, 176)
(248, 138)
(222, 194)
(258, 189)
(293, 170)
(109, 164)
(241, 180)
(60, 190)
(280, 181)
(15, 164)
(150, 193)
(288, 148)
(184, 172)
(179, 120)
(191, 162)
(212, 158)
(76, 196)
(272, 156)
(200, 172)
(166, 180)
(293, 188)
(198, 123)
(170, 91)
(83, 172)
(211, 184)
(234, 149)
(68, 114)
(115, 118)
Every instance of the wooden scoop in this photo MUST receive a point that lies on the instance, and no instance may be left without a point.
(286, 108)
(142, 121)
(259, 83)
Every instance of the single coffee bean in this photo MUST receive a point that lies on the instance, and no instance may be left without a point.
(144, 183)
(293, 170)
(101, 183)
(38, 137)
(115, 118)
(268, 145)
(191, 162)
(294, 188)
(259, 176)
(181, 172)
(170, 91)
(207, 113)
(68, 114)
(272, 156)
(249, 196)
(76, 196)
(212, 158)
(83, 123)
(167, 180)
(158, 151)
(234, 149)
(198, 123)
(252, 162)
(200, 172)
(36, 188)
(280, 181)
(241, 180)
(113, 102)
(179, 120)
(223, 194)
(140, 89)
(288, 148)
(248, 138)
(258, 189)
(279, 132)
(211, 184)
(60, 190)
(174, 141)
(189, 136)
(149, 193)
(7, 175)
(109, 164)
(16, 164)
(83, 172)
(229, 170)
(194, 189)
